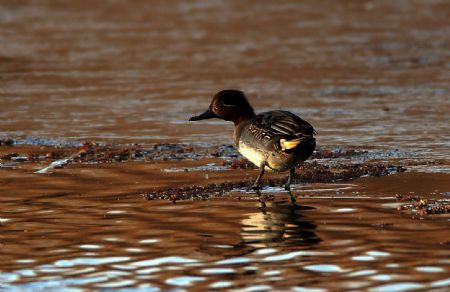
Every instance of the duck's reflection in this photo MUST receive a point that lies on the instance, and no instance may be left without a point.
(279, 223)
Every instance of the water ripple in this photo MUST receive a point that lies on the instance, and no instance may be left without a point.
(324, 268)
(89, 261)
(164, 260)
(184, 280)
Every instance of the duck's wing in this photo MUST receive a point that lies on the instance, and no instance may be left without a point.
(285, 124)
(284, 129)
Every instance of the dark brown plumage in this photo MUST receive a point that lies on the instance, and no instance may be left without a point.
(275, 140)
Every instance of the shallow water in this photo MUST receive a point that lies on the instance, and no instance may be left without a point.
(370, 75)
(363, 73)
(339, 238)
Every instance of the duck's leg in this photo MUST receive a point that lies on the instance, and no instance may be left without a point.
(293, 200)
(257, 184)
(287, 186)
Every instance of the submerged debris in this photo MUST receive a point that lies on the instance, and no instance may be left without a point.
(337, 153)
(194, 192)
(421, 206)
(239, 163)
(309, 172)
(6, 142)
(92, 152)
(331, 169)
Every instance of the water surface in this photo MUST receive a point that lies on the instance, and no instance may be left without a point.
(363, 73)
(367, 74)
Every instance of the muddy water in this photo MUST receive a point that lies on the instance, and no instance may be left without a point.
(339, 236)
(372, 75)
(363, 73)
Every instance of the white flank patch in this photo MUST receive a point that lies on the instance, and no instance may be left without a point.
(251, 154)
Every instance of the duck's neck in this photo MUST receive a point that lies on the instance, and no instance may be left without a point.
(240, 119)
(238, 131)
(242, 116)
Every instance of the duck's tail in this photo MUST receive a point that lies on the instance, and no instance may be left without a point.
(287, 144)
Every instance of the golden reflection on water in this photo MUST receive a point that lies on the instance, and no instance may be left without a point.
(77, 241)
(278, 224)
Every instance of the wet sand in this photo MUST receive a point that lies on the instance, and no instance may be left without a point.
(139, 198)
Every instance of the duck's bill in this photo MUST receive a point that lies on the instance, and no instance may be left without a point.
(206, 115)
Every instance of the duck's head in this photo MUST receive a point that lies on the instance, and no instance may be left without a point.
(228, 105)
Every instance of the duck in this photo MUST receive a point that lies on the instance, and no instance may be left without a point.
(275, 141)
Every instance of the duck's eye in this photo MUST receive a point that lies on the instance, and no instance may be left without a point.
(223, 101)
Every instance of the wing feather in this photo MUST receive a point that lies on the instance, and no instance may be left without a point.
(286, 123)
(279, 130)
